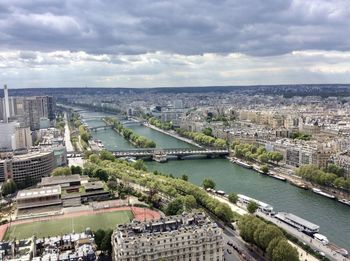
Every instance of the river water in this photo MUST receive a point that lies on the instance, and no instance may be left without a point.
(332, 216)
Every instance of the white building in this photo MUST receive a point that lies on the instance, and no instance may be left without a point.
(183, 238)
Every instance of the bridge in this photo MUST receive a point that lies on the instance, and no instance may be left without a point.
(165, 153)
(102, 127)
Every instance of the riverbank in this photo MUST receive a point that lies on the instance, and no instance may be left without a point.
(302, 253)
(173, 134)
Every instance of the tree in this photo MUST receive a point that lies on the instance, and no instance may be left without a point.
(101, 174)
(106, 155)
(208, 183)
(332, 168)
(174, 207)
(184, 177)
(284, 252)
(272, 245)
(61, 171)
(139, 165)
(208, 131)
(190, 202)
(224, 212)
(263, 158)
(264, 169)
(252, 207)
(76, 169)
(99, 235)
(106, 244)
(267, 235)
(233, 198)
(9, 187)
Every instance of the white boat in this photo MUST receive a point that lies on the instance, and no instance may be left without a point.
(320, 192)
(344, 201)
(278, 177)
(243, 164)
(298, 222)
(323, 239)
(262, 205)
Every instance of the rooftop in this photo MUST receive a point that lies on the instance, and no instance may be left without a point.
(38, 192)
(57, 180)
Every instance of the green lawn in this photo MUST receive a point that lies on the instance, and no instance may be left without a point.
(68, 225)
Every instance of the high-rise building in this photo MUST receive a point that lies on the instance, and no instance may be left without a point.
(6, 104)
(183, 238)
(7, 136)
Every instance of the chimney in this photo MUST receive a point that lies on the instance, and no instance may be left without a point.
(7, 104)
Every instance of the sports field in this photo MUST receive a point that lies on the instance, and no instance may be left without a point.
(54, 227)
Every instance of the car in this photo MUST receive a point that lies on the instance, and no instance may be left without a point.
(229, 251)
(230, 243)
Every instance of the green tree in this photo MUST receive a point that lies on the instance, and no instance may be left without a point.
(106, 155)
(272, 245)
(76, 169)
(106, 244)
(208, 131)
(99, 235)
(252, 207)
(332, 168)
(101, 174)
(61, 171)
(233, 198)
(264, 169)
(224, 212)
(267, 235)
(189, 202)
(284, 252)
(208, 183)
(139, 165)
(263, 158)
(174, 207)
(184, 177)
(9, 187)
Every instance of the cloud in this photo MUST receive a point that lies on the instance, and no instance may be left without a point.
(258, 28)
(76, 69)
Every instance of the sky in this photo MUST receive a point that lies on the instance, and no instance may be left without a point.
(153, 43)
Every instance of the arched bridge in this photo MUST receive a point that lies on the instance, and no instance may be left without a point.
(183, 152)
(102, 127)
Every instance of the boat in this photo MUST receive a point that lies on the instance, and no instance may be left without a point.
(344, 201)
(278, 177)
(243, 164)
(264, 207)
(323, 239)
(297, 222)
(320, 192)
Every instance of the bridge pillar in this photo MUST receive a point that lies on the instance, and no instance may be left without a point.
(179, 157)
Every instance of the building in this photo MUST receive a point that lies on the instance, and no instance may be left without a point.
(39, 197)
(183, 237)
(70, 247)
(26, 167)
(7, 135)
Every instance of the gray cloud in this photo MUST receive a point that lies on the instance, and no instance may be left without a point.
(253, 27)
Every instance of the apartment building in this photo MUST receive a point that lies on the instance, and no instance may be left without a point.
(187, 237)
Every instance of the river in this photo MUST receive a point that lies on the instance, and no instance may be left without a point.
(332, 216)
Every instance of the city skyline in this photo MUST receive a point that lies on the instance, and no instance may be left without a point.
(142, 44)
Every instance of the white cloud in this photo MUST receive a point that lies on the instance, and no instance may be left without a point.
(66, 68)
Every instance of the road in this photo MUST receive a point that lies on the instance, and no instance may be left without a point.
(67, 141)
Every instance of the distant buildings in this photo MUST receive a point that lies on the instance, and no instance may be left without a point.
(185, 237)
(71, 247)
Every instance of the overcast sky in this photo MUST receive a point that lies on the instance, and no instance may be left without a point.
(150, 43)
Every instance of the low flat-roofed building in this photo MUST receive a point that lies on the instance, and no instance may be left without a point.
(185, 237)
(94, 191)
(63, 181)
(39, 197)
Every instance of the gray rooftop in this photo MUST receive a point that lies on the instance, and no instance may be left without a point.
(57, 180)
